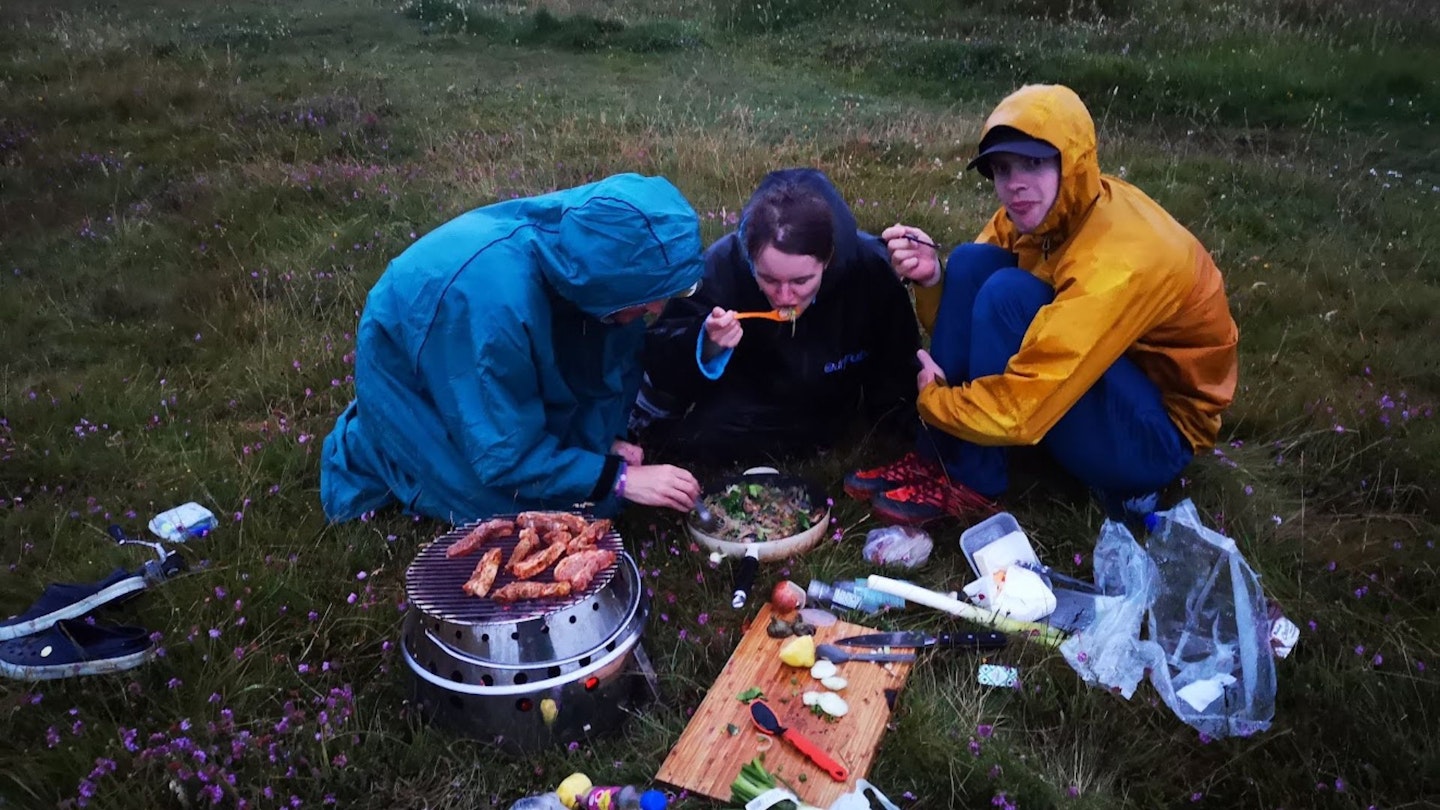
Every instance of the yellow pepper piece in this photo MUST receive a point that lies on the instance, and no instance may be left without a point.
(799, 652)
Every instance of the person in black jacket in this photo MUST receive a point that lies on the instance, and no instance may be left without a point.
(718, 389)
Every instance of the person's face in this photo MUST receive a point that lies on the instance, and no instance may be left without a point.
(1026, 186)
(787, 280)
(649, 312)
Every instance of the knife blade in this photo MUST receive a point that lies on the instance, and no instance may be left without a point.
(906, 638)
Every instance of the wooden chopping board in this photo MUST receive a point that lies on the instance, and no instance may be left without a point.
(707, 758)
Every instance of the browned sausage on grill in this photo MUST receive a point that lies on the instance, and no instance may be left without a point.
(516, 591)
(480, 535)
(537, 562)
(582, 566)
(484, 576)
(529, 541)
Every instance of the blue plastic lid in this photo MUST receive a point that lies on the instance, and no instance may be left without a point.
(653, 800)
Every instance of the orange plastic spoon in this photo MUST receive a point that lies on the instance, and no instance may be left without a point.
(782, 315)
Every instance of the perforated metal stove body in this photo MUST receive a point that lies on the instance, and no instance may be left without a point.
(529, 674)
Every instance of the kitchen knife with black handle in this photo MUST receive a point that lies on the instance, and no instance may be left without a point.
(964, 641)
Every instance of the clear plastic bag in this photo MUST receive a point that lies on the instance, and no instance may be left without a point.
(904, 546)
(1108, 651)
(1208, 647)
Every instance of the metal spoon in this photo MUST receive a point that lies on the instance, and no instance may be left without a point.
(703, 518)
(835, 655)
(910, 237)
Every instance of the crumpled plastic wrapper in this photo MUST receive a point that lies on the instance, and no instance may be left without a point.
(901, 546)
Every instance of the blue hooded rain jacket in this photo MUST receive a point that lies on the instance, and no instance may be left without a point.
(486, 380)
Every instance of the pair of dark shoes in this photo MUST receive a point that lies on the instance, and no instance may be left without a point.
(915, 490)
(57, 637)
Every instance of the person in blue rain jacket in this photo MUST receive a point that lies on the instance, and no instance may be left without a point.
(498, 356)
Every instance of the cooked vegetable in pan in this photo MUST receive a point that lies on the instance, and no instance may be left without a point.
(752, 512)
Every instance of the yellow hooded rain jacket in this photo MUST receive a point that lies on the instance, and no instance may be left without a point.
(1129, 281)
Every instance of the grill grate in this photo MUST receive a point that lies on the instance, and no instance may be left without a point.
(433, 581)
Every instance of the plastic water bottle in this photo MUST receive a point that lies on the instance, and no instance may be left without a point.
(888, 600)
(544, 801)
(577, 793)
(847, 595)
(627, 797)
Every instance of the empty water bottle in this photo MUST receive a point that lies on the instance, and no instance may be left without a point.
(626, 797)
(886, 600)
(848, 595)
(544, 801)
(577, 793)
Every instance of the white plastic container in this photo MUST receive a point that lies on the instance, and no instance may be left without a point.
(185, 522)
(996, 542)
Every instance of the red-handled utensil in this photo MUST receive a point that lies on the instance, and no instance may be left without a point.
(767, 722)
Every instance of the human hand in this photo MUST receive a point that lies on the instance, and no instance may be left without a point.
(912, 254)
(723, 329)
(929, 371)
(662, 485)
(633, 454)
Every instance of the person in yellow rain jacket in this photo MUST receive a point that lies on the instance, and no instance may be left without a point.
(1084, 319)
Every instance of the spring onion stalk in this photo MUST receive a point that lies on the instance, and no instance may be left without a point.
(754, 781)
(1032, 631)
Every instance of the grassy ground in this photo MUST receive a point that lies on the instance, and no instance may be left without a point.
(195, 198)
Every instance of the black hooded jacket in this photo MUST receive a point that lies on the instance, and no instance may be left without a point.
(788, 388)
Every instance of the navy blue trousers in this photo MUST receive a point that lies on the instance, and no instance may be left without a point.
(1116, 439)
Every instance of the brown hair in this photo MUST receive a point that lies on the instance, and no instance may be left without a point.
(796, 219)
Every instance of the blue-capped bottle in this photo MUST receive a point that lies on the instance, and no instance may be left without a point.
(544, 801)
(888, 600)
(848, 596)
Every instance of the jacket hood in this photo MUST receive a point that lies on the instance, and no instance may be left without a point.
(846, 239)
(1054, 114)
(620, 242)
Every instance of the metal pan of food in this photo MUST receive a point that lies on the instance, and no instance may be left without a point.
(765, 513)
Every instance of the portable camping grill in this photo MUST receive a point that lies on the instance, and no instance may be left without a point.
(531, 673)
